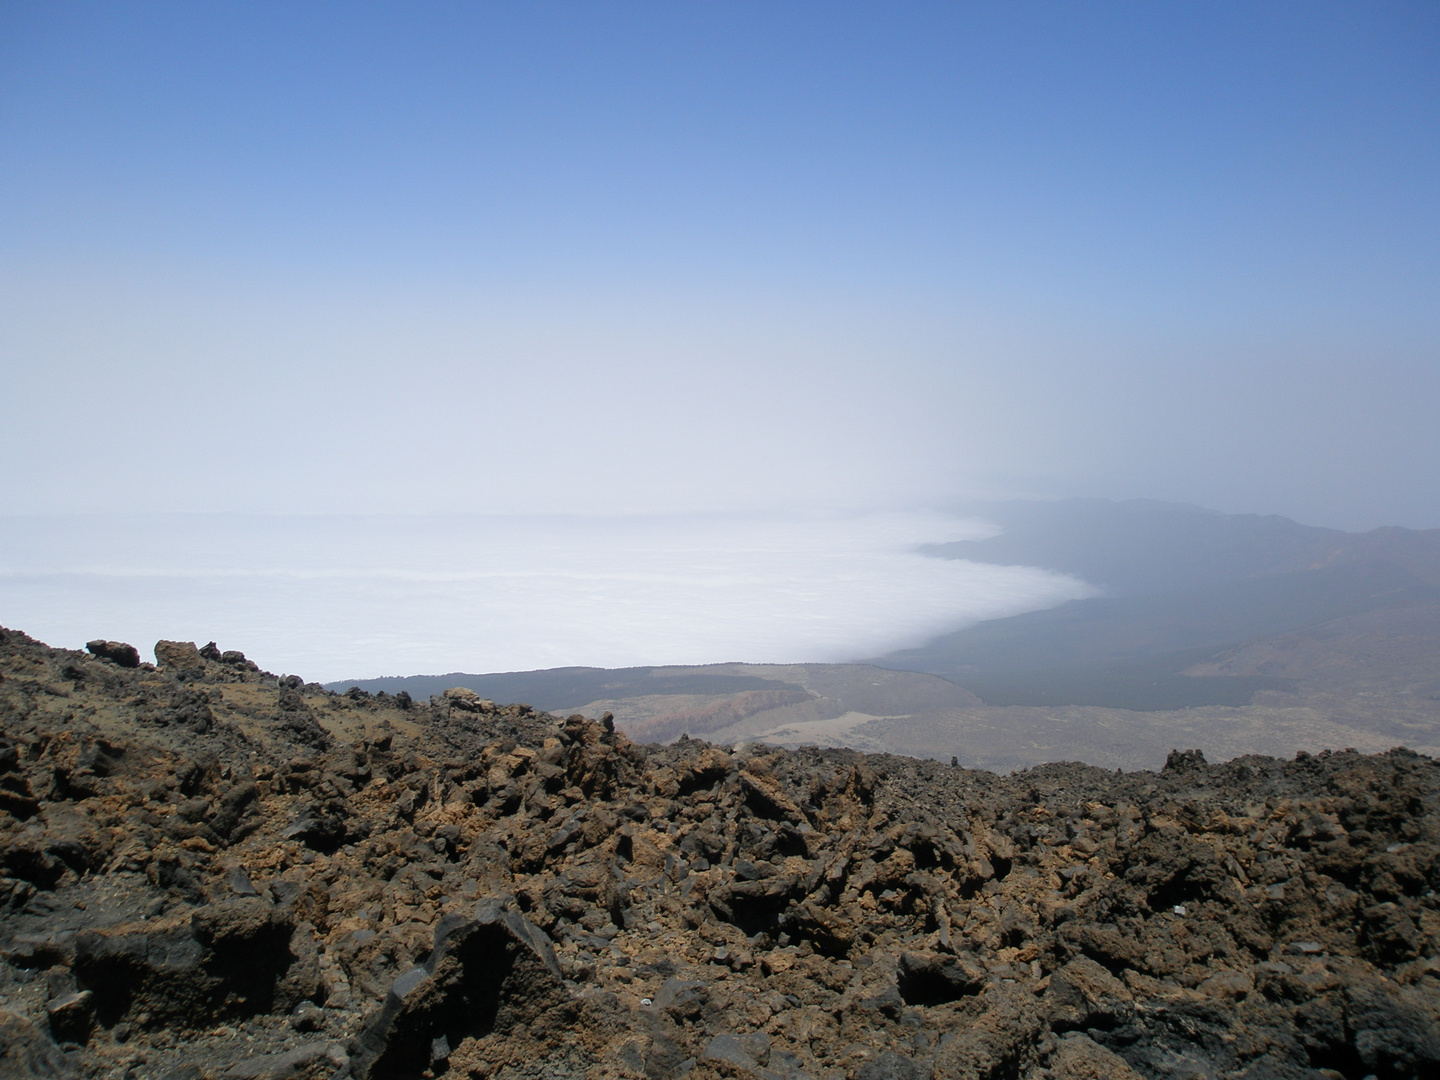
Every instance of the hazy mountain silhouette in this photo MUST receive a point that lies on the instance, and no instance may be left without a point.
(1183, 585)
(1144, 548)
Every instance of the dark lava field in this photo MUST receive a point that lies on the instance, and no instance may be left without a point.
(208, 871)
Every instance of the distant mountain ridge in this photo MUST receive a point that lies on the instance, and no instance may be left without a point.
(1143, 547)
(1183, 584)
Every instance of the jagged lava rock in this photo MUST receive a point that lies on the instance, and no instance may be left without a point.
(210, 871)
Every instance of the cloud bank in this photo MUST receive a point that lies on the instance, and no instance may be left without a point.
(351, 597)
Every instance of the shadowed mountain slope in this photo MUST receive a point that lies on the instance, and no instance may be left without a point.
(1185, 586)
(1146, 548)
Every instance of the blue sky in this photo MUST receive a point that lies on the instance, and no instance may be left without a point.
(640, 257)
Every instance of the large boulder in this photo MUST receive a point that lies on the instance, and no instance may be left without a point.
(1083, 994)
(178, 655)
(1002, 1041)
(237, 958)
(932, 978)
(467, 700)
(1079, 1058)
(489, 973)
(116, 651)
(26, 1054)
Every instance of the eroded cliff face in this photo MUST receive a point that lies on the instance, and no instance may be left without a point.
(209, 871)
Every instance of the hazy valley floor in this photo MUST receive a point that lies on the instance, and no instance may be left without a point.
(886, 711)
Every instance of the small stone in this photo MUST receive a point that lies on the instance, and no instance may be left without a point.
(307, 1016)
(321, 834)
(239, 883)
(439, 1049)
(71, 1016)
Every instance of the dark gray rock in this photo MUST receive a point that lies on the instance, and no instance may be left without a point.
(324, 833)
(784, 1065)
(71, 1016)
(308, 1059)
(1396, 1033)
(743, 1051)
(26, 1054)
(115, 651)
(234, 959)
(666, 1059)
(889, 1065)
(239, 883)
(930, 979)
(484, 974)
(682, 998)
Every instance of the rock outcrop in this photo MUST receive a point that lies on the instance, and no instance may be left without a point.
(208, 871)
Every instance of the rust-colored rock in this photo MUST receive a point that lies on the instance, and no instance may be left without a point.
(206, 870)
(178, 655)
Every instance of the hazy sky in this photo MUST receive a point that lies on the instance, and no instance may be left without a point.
(668, 257)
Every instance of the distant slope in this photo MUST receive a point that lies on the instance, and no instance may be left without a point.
(832, 698)
(1100, 631)
(1373, 654)
(1145, 548)
(1142, 547)
(1134, 652)
(1187, 586)
(662, 703)
(560, 688)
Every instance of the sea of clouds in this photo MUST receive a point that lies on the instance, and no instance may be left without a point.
(335, 597)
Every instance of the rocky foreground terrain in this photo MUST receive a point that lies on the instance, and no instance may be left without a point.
(209, 871)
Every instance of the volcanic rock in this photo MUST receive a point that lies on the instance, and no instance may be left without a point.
(178, 655)
(207, 871)
(121, 653)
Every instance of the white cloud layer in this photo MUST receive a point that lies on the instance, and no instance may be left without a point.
(333, 597)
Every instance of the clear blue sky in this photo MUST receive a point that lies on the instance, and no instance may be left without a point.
(603, 257)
